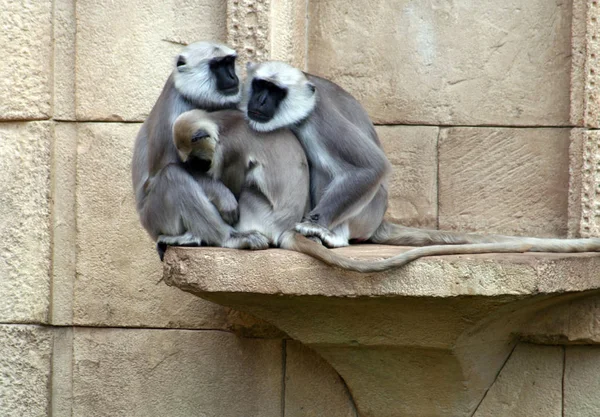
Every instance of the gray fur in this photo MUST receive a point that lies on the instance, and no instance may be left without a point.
(266, 172)
(169, 200)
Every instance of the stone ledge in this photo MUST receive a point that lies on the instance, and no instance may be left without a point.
(425, 340)
(280, 272)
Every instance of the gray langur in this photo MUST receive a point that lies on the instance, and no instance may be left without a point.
(177, 205)
(348, 169)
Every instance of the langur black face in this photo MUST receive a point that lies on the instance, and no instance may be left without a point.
(264, 100)
(223, 68)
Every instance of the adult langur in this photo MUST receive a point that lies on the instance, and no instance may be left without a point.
(176, 207)
(348, 168)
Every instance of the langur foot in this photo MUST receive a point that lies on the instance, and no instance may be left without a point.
(328, 238)
(187, 239)
(228, 208)
(246, 240)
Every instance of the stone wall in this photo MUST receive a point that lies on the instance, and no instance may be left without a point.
(487, 113)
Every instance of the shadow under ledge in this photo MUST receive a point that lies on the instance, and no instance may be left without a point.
(427, 339)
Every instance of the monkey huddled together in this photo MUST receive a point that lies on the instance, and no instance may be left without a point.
(287, 159)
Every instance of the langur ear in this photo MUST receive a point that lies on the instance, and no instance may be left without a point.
(181, 62)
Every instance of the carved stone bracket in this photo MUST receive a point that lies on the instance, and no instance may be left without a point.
(427, 339)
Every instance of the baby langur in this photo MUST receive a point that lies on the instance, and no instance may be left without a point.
(176, 207)
(349, 170)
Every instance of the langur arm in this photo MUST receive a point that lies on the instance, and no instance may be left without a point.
(222, 198)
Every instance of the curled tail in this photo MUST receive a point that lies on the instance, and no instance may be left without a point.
(295, 241)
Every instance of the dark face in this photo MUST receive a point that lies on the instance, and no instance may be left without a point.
(223, 68)
(264, 100)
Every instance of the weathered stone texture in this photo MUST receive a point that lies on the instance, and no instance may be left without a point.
(504, 180)
(125, 53)
(25, 225)
(175, 373)
(64, 227)
(65, 27)
(312, 387)
(582, 381)
(413, 183)
(576, 321)
(585, 68)
(530, 384)
(26, 64)
(248, 29)
(443, 62)
(288, 31)
(118, 270)
(25, 353)
(584, 187)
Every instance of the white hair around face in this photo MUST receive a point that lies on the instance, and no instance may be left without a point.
(298, 103)
(193, 77)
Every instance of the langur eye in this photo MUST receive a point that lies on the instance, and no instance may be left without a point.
(180, 61)
(199, 135)
(311, 87)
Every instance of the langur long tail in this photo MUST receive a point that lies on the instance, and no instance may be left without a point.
(394, 234)
(295, 241)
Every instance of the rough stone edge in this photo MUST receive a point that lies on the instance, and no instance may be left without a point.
(64, 229)
(584, 183)
(268, 29)
(514, 274)
(61, 401)
(63, 97)
(585, 64)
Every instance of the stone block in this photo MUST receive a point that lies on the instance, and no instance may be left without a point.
(118, 271)
(584, 183)
(444, 62)
(530, 384)
(581, 381)
(412, 151)
(312, 387)
(504, 180)
(25, 225)
(125, 53)
(175, 373)
(25, 355)
(26, 65)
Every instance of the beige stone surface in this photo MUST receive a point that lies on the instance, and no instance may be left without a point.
(175, 373)
(447, 62)
(575, 321)
(312, 387)
(118, 270)
(125, 53)
(26, 65)
(584, 183)
(585, 69)
(25, 354)
(25, 225)
(64, 222)
(65, 27)
(582, 381)
(530, 384)
(62, 372)
(292, 273)
(504, 180)
(412, 151)
(288, 28)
